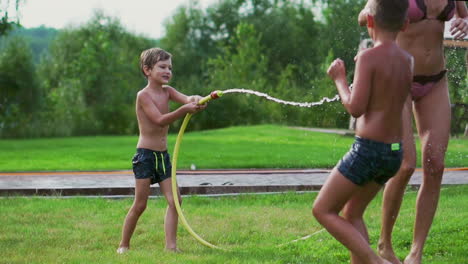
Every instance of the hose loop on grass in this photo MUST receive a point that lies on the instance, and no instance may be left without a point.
(175, 156)
(174, 185)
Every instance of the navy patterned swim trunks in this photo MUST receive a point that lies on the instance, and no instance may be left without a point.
(152, 164)
(370, 160)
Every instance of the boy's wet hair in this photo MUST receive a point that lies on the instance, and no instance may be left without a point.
(389, 14)
(151, 56)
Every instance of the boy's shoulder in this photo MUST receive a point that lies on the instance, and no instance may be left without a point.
(143, 92)
(147, 91)
(372, 52)
(368, 56)
(384, 52)
(146, 94)
(168, 87)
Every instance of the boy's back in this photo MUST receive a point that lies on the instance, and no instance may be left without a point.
(388, 70)
(382, 83)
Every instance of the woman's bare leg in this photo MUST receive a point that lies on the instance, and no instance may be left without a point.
(433, 120)
(396, 186)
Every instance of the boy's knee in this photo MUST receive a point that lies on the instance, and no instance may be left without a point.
(351, 215)
(317, 212)
(407, 169)
(139, 208)
(171, 202)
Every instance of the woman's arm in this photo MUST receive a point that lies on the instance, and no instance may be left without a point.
(459, 27)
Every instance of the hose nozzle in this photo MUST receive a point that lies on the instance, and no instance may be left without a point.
(216, 94)
(213, 95)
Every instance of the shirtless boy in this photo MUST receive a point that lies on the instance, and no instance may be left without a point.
(381, 85)
(151, 163)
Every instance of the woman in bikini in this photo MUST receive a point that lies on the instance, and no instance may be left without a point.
(430, 104)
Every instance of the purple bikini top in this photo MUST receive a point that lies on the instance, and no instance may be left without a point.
(417, 11)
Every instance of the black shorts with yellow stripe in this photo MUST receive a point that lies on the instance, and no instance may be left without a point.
(152, 164)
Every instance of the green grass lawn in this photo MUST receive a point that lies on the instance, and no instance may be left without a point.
(263, 146)
(87, 230)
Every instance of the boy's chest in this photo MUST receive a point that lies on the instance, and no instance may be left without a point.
(161, 101)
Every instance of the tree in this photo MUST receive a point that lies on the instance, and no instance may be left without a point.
(91, 77)
(245, 66)
(458, 86)
(343, 34)
(288, 40)
(290, 36)
(7, 21)
(188, 38)
(288, 28)
(20, 93)
(39, 39)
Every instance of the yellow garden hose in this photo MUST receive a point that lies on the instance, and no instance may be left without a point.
(175, 155)
(213, 95)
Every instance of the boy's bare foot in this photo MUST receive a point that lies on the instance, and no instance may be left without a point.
(174, 250)
(122, 250)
